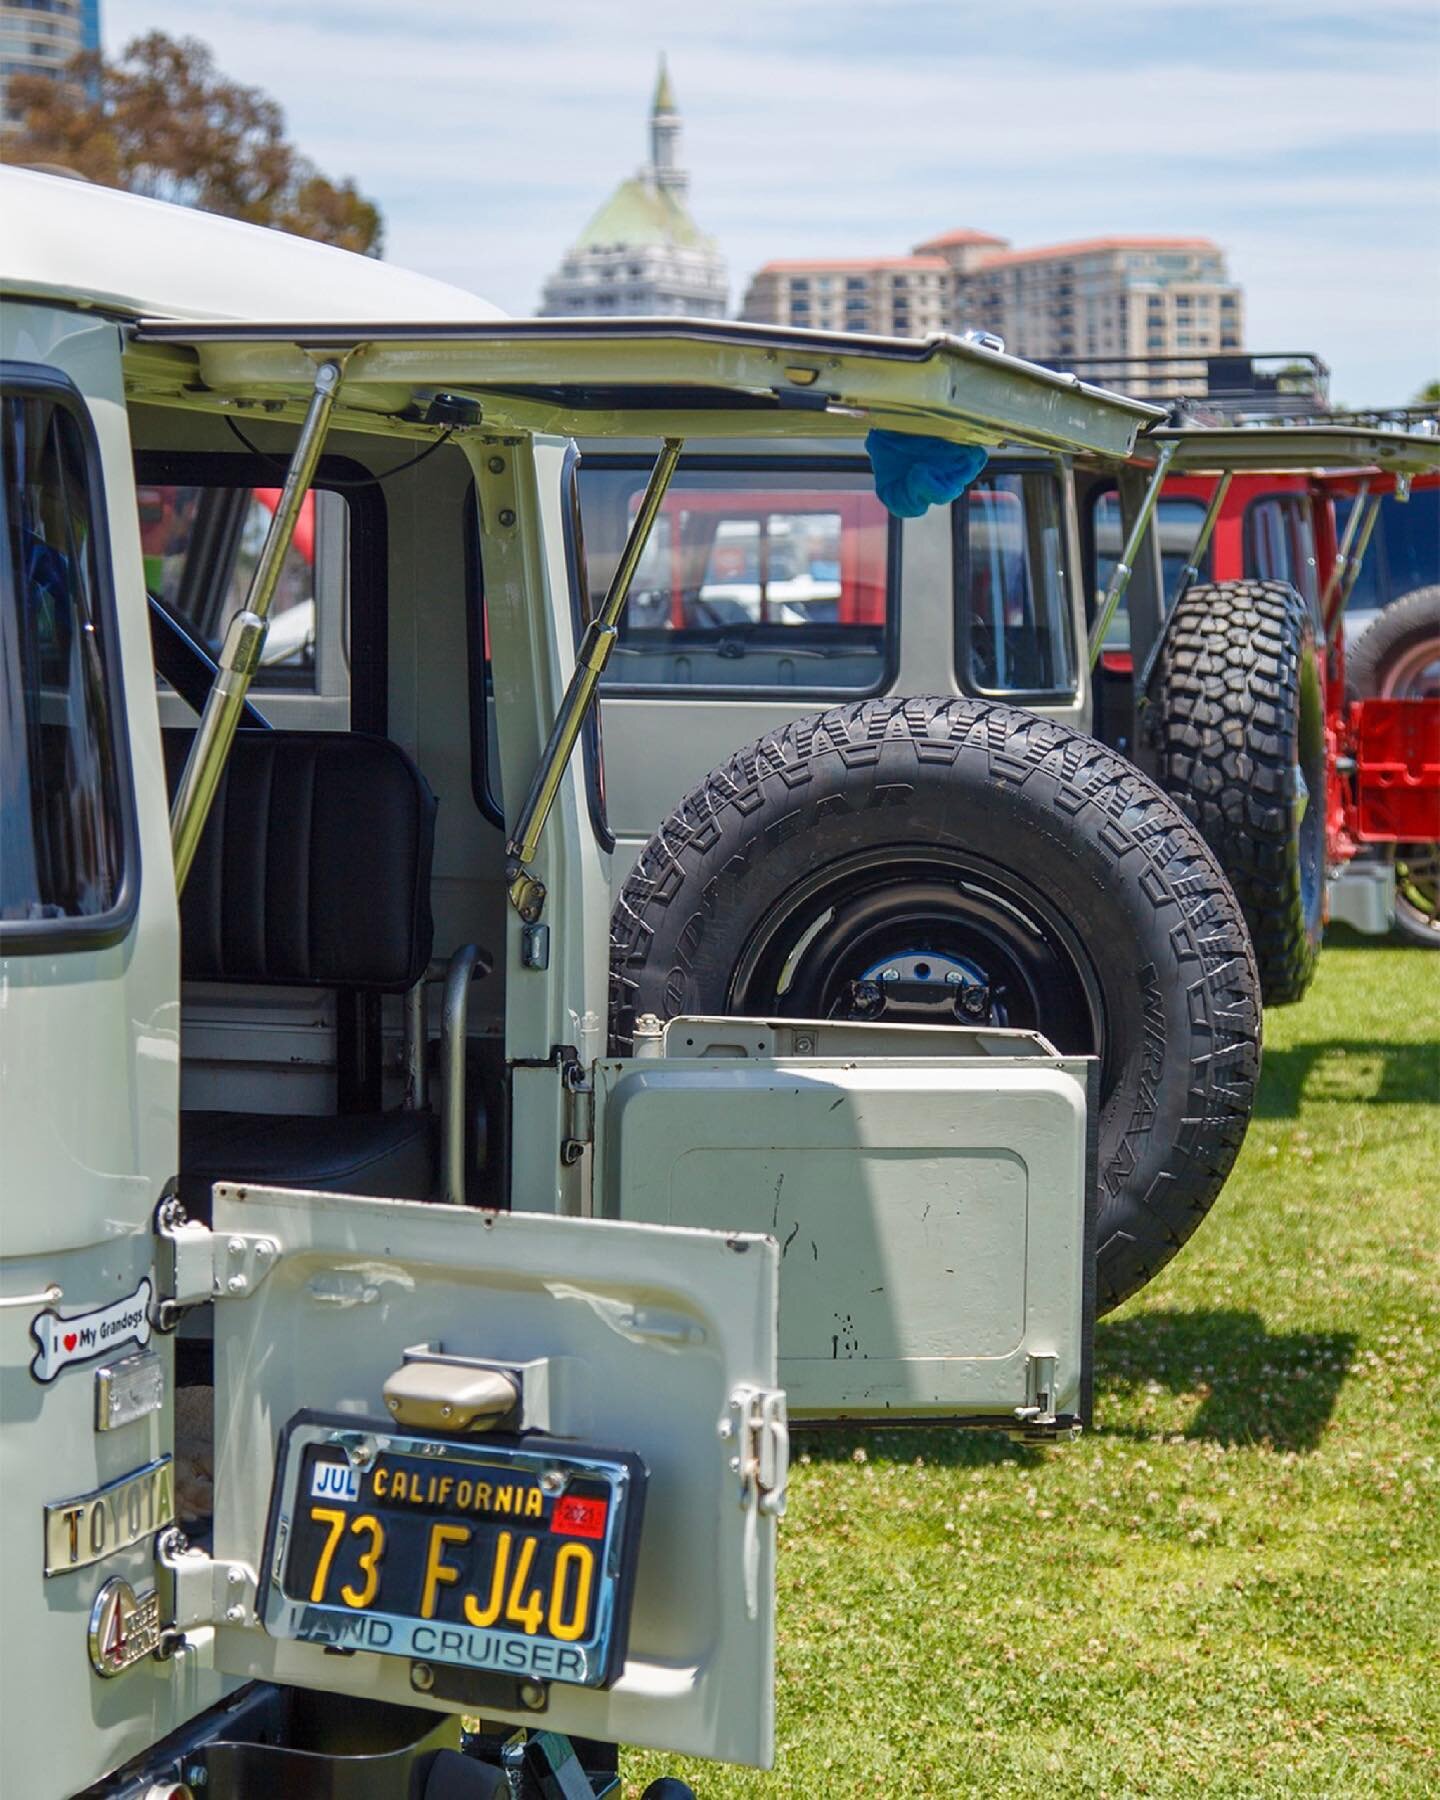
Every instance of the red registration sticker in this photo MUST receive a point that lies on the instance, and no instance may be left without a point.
(578, 1517)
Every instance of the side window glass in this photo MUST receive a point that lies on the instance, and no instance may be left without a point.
(1409, 534)
(1268, 540)
(1016, 634)
(1178, 518)
(201, 546)
(752, 579)
(1307, 575)
(63, 781)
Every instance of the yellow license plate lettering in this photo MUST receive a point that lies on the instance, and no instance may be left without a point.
(490, 1612)
(528, 1613)
(369, 1560)
(336, 1520)
(437, 1570)
(580, 1558)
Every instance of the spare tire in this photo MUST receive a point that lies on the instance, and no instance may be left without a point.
(1397, 655)
(943, 853)
(1239, 719)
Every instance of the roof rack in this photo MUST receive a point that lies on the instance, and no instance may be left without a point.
(1260, 384)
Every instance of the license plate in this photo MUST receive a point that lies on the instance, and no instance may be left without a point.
(510, 1558)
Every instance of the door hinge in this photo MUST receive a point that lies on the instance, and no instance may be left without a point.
(756, 1431)
(579, 1089)
(197, 1590)
(1037, 1418)
(194, 1264)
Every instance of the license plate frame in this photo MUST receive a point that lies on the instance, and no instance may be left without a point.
(528, 1465)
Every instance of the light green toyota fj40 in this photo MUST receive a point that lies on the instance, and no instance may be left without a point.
(389, 1300)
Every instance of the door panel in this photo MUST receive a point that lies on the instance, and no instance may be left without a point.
(644, 1336)
(932, 1215)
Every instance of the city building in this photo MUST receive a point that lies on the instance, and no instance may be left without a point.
(643, 252)
(894, 296)
(1102, 301)
(38, 37)
(1108, 302)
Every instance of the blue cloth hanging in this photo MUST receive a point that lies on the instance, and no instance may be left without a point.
(913, 473)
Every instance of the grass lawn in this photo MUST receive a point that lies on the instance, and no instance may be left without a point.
(1232, 1586)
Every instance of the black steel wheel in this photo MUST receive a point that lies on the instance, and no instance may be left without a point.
(1239, 717)
(954, 861)
(920, 935)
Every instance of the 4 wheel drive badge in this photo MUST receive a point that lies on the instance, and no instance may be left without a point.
(124, 1627)
(91, 1334)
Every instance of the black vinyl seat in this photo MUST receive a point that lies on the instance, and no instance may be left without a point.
(389, 1154)
(313, 871)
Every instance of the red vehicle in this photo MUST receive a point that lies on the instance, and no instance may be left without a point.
(711, 560)
(1374, 747)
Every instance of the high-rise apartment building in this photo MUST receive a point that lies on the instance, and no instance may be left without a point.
(894, 296)
(643, 252)
(38, 37)
(1112, 299)
(1115, 299)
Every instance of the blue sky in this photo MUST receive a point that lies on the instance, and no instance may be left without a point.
(1303, 135)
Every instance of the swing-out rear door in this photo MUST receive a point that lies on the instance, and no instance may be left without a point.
(599, 1561)
(931, 1191)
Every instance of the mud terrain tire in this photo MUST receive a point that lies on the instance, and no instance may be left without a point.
(1240, 725)
(1376, 666)
(980, 817)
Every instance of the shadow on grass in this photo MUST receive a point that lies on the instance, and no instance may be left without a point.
(937, 1445)
(1259, 1386)
(1334, 1069)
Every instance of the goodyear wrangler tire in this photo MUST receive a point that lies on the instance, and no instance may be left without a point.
(1240, 719)
(1004, 860)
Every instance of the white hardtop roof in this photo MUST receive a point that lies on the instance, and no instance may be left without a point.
(93, 247)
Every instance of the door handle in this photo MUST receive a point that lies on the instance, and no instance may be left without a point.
(50, 1296)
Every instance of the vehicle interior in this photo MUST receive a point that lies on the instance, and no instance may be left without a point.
(342, 1018)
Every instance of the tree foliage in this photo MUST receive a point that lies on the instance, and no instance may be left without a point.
(162, 121)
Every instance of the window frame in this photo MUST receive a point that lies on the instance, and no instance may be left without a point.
(592, 729)
(960, 590)
(714, 463)
(369, 551)
(88, 931)
(1090, 553)
(1297, 520)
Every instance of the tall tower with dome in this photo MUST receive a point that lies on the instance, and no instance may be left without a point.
(642, 252)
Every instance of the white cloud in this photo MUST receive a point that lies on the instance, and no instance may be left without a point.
(827, 125)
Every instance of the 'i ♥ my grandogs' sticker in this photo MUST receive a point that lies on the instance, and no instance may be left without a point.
(91, 1334)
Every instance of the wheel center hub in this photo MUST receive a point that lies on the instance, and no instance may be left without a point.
(921, 985)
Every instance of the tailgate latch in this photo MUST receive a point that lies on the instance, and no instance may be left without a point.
(757, 1428)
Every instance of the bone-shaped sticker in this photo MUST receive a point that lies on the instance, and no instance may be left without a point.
(91, 1334)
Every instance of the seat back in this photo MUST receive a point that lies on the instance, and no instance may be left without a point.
(314, 868)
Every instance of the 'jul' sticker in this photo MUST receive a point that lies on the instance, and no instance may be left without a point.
(91, 1334)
